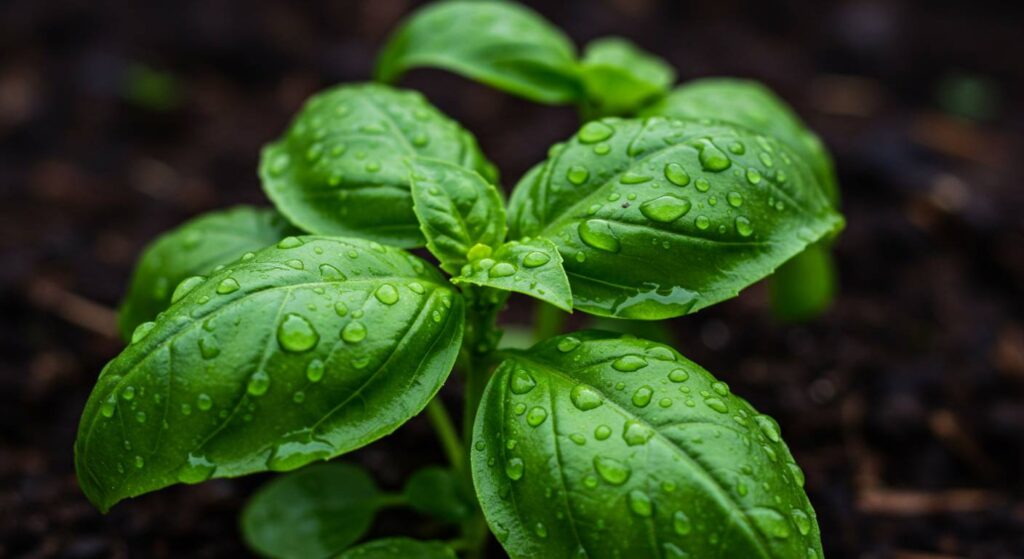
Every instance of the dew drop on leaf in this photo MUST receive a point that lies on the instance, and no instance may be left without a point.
(640, 503)
(315, 370)
(629, 363)
(585, 398)
(227, 285)
(676, 175)
(521, 382)
(296, 334)
(595, 131)
(353, 332)
(536, 416)
(502, 270)
(536, 259)
(577, 174)
(330, 273)
(636, 433)
(514, 468)
(386, 294)
(611, 470)
(598, 234)
(743, 227)
(259, 383)
(665, 209)
(681, 523)
(642, 396)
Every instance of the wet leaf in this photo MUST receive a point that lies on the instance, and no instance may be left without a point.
(269, 364)
(530, 266)
(657, 218)
(340, 168)
(592, 445)
(619, 77)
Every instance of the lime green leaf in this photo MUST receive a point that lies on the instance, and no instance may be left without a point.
(269, 364)
(340, 169)
(193, 249)
(658, 218)
(597, 446)
(619, 77)
(502, 44)
(457, 209)
(530, 266)
(315, 512)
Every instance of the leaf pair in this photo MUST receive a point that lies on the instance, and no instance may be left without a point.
(514, 49)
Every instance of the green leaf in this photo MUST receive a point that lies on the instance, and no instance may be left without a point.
(273, 362)
(619, 77)
(530, 266)
(502, 44)
(457, 210)
(658, 218)
(315, 512)
(803, 287)
(597, 446)
(340, 169)
(195, 248)
(439, 493)
(400, 548)
(754, 106)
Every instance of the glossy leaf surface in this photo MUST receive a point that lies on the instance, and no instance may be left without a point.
(619, 77)
(195, 248)
(658, 218)
(597, 446)
(753, 106)
(399, 548)
(530, 266)
(457, 209)
(315, 512)
(340, 168)
(271, 363)
(439, 493)
(502, 44)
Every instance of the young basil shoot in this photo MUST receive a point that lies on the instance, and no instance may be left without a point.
(271, 340)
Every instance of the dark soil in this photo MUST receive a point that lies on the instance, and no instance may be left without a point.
(904, 404)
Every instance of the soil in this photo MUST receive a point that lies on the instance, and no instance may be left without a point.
(904, 403)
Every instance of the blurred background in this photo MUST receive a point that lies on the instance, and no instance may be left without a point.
(904, 403)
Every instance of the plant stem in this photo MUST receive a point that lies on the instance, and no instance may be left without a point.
(548, 321)
(446, 432)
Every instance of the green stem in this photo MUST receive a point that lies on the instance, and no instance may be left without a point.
(548, 322)
(446, 432)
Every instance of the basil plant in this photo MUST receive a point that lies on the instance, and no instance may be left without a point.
(276, 339)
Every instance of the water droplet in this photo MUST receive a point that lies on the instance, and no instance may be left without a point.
(720, 388)
(578, 439)
(295, 264)
(636, 433)
(227, 285)
(602, 149)
(630, 177)
(521, 382)
(797, 473)
(577, 174)
(540, 530)
(711, 158)
(315, 370)
(681, 523)
(676, 175)
(702, 185)
(629, 363)
(353, 332)
(702, 222)
(502, 270)
(602, 432)
(770, 522)
(536, 416)
(204, 402)
(769, 428)
(330, 273)
(208, 347)
(595, 131)
(340, 308)
(514, 468)
(612, 470)
(598, 234)
(717, 405)
(738, 148)
(289, 242)
(802, 521)
(642, 396)
(568, 343)
(108, 406)
(295, 334)
(279, 164)
(753, 176)
(735, 199)
(185, 287)
(386, 294)
(743, 227)
(186, 409)
(197, 469)
(259, 383)
(665, 209)
(640, 503)
(585, 397)
(678, 375)
(535, 259)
